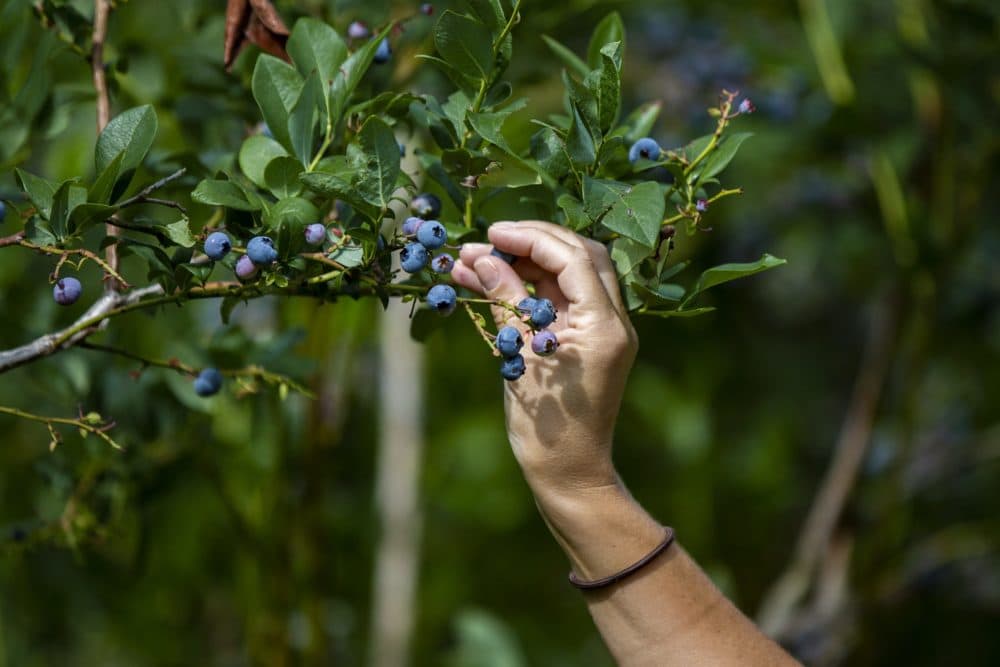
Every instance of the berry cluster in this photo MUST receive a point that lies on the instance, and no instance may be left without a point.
(425, 234)
(538, 314)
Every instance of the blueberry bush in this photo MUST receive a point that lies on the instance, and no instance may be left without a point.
(314, 194)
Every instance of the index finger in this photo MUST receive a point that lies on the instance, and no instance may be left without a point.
(571, 264)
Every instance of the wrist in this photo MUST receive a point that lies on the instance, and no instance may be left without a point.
(601, 529)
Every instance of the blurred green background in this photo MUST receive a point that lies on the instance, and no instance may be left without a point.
(244, 530)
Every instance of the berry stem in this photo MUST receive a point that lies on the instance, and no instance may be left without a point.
(82, 423)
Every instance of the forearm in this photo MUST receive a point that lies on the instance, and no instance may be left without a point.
(667, 613)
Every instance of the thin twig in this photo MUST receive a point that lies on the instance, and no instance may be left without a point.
(102, 8)
(783, 599)
(84, 422)
(64, 253)
(143, 195)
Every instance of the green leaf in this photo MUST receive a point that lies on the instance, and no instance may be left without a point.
(86, 216)
(255, 154)
(570, 59)
(276, 87)
(350, 73)
(678, 313)
(549, 150)
(664, 295)
(635, 211)
(640, 122)
(67, 198)
(604, 84)
(576, 215)
(39, 191)
(180, 233)
(490, 127)
(223, 193)
(376, 160)
(303, 118)
(490, 12)
(104, 186)
(610, 29)
(508, 171)
(37, 231)
(130, 132)
(288, 219)
(722, 155)
(348, 256)
(726, 272)
(316, 47)
(627, 255)
(465, 43)
(281, 176)
(579, 142)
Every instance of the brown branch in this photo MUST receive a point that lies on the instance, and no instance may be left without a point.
(143, 195)
(102, 8)
(781, 603)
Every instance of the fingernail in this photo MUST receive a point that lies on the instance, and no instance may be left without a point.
(487, 272)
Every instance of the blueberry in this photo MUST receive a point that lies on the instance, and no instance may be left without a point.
(544, 343)
(512, 368)
(443, 264)
(3, 211)
(413, 257)
(432, 234)
(427, 9)
(426, 206)
(245, 268)
(261, 251)
(208, 382)
(217, 245)
(505, 256)
(644, 149)
(411, 226)
(509, 341)
(543, 314)
(442, 299)
(383, 52)
(358, 30)
(527, 304)
(66, 291)
(315, 233)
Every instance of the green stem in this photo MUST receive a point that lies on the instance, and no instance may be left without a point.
(65, 421)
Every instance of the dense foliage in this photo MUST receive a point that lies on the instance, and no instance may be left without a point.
(241, 527)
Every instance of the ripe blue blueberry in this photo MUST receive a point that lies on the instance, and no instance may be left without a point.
(509, 341)
(426, 206)
(315, 233)
(544, 343)
(512, 368)
(443, 264)
(644, 149)
(543, 314)
(527, 304)
(208, 382)
(66, 291)
(358, 30)
(505, 256)
(261, 251)
(217, 245)
(245, 268)
(383, 52)
(442, 299)
(411, 225)
(432, 234)
(413, 257)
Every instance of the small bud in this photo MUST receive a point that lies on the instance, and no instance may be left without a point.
(427, 9)
(701, 205)
(668, 232)
(746, 106)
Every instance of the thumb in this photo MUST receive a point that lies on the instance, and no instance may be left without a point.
(499, 282)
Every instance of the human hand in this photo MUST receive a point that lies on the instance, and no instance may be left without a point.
(561, 413)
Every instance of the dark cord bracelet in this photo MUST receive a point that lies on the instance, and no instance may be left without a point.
(631, 569)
